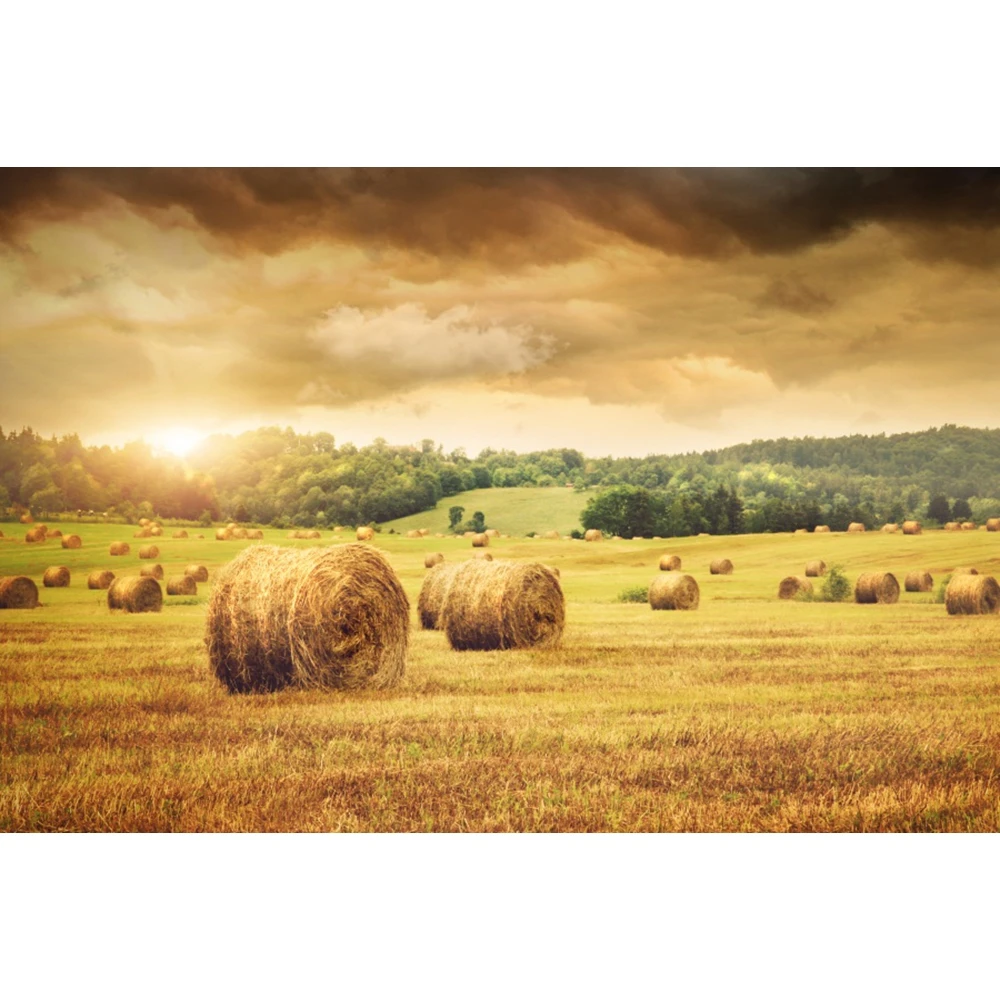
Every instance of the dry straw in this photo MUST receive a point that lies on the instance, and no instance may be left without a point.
(71, 542)
(413, 534)
(674, 592)
(432, 559)
(480, 541)
(890, 529)
(143, 522)
(35, 535)
(968, 526)
(912, 528)
(155, 571)
(492, 532)
(55, 534)
(142, 533)
(952, 526)
(483, 554)
(993, 524)
(316, 617)
(855, 527)
(876, 588)
(670, 563)
(792, 586)
(180, 534)
(365, 534)
(821, 529)
(255, 533)
(197, 572)
(816, 567)
(432, 593)
(25, 519)
(100, 579)
(119, 549)
(223, 534)
(554, 535)
(424, 532)
(181, 586)
(592, 535)
(232, 526)
(972, 595)
(56, 576)
(721, 567)
(239, 533)
(918, 582)
(801, 531)
(148, 552)
(503, 605)
(18, 592)
(966, 570)
(156, 531)
(135, 593)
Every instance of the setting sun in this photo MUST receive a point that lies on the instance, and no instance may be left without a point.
(177, 440)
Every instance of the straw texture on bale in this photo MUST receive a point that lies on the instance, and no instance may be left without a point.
(432, 594)
(180, 534)
(918, 582)
(876, 588)
(968, 526)
(890, 529)
(148, 551)
(503, 605)
(720, 567)
(552, 534)
(333, 617)
(181, 586)
(18, 592)
(432, 559)
(483, 554)
(972, 595)
(912, 528)
(71, 541)
(492, 532)
(232, 526)
(413, 534)
(855, 527)
(35, 535)
(240, 533)
(56, 576)
(674, 592)
(821, 528)
(197, 572)
(952, 526)
(966, 570)
(480, 541)
(993, 524)
(156, 531)
(815, 567)
(555, 569)
(136, 594)
(314, 534)
(100, 579)
(119, 549)
(670, 563)
(142, 533)
(255, 533)
(592, 535)
(365, 534)
(143, 522)
(155, 571)
(223, 534)
(792, 586)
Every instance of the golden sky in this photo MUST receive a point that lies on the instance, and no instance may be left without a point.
(617, 311)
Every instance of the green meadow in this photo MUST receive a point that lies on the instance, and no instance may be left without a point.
(748, 714)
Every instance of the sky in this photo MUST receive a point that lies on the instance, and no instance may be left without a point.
(618, 311)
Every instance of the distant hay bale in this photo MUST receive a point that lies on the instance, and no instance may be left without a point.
(721, 567)
(100, 579)
(912, 528)
(155, 571)
(181, 586)
(25, 519)
(966, 570)
(670, 563)
(890, 529)
(972, 595)
(55, 534)
(701, 534)
(801, 531)
(119, 549)
(593, 535)
(792, 586)
(223, 534)
(815, 567)
(432, 594)
(321, 617)
(199, 536)
(413, 534)
(365, 534)
(156, 531)
(232, 526)
(56, 576)
(616, 538)
(503, 605)
(855, 527)
(674, 592)
(180, 534)
(480, 541)
(468, 534)
(135, 594)
(256, 534)
(35, 535)
(952, 526)
(197, 572)
(148, 552)
(554, 535)
(968, 526)
(143, 522)
(993, 524)
(483, 554)
(492, 532)
(18, 592)
(338, 527)
(821, 529)
(432, 559)
(239, 533)
(142, 533)
(918, 582)
(314, 534)
(876, 588)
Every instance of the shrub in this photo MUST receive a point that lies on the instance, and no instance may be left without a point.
(941, 588)
(634, 595)
(836, 586)
(576, 533)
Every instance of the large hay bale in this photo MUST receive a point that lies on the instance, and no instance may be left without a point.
(968, 526)
(821, 529)
(100, 579)
(890, 529)
(119, 549)
(670, 563)
(855, 527)
(365, 534)
(155, 571)
(232, 526)
(181, 586)
(792, 586)
(593, 535)
(993, 524)
(55, 534)
(483, 554)
(25, 519)
(972, 595)
(554, 535)
(148, 552)
(314, 534)
(480, 541)
(56, 576)
(239, 533)
(912, 528)
(256, 534)
(674, 591)
(952, 526)
(815, 567)
(492, 533)
(317, 617)
(18, 592)
(503, 605)
(424, 532)
(71, 541)
(876, 588)
(918, 582)
(223, 534)
(432, 559)
(180, 534)
(413, 534)
(801, 531)
(35, 535)
(156, 531)
(143, 522)
(197, 572)
(432, 594)
(721, 567)
(136, 594)
(142, 533)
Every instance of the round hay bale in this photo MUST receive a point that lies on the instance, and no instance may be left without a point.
(801, 531)
(670, 563)
(855, 527)
(148, 552)
(365, 534)
(156, 531)
(136, 594)
(701, 534)
(503, 605)
(143, 522)
(142, 533)
(993, 524)
(338, 527)
(616, 538)
(197, 572)
(912, 528)
(890, 529)
(468, 534)
(918, 582)
(318, 617)
(876, 588)
(35, 535)
(952, 526)
(972, 595)
(492, 533)
(240, 533)
(821, 529)
(815, 567)
(674, 591)
(721, 567)
(792, 586)
(100, 579)
(232, 526)
(223, 534)
(413, 534)
(155, 571)
(56, 576)
(432, 594)
(255, 533)
(71, 542)
(55, 534)
(432, 559)
(593, 535)
(482, 554)
(480, 541)
(966, 570)
(18, 592)
(180, 534)
(25, 519)
(119, 549)
(968, 526)
(314, 534)
(553, 535)
(181, 586)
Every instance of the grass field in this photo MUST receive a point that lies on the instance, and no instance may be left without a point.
(747, 714)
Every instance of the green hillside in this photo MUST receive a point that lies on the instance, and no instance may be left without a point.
(513, 511)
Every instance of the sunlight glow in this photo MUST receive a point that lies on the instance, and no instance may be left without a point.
(177, 440)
